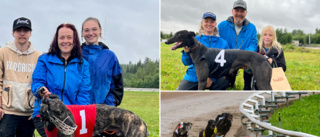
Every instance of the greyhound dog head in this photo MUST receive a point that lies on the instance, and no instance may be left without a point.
(55, 113)
(223, 123)
(182, 38)
(182, 129)
(211, 127)
(224, 118)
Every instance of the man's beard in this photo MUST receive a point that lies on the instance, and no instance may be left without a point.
(238, 22)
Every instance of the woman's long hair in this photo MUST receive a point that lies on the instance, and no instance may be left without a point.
(275, 44)
(54, 47)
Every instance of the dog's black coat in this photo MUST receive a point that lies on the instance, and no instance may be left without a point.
(206, 66)
(210, 129)
(126, 123)
(182, 129)
(223, 123)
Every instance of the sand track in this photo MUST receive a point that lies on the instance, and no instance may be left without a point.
(198, 108)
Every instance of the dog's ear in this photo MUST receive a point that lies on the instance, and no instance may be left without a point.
(45, 100)
(53, 96)
(191, 34)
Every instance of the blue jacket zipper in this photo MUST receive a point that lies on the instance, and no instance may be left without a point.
(64, 82)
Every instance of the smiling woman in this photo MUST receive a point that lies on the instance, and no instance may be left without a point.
(65, 41)
(207, 36)
(62, 71)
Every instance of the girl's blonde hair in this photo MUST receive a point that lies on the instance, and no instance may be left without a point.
(275, 44)
(201, 30)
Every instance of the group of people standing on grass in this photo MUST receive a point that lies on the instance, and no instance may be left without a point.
(236, 32)
(80, 74)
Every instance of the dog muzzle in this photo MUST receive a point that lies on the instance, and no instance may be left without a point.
(62, 126)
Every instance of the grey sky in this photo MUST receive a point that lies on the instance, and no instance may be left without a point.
(290, 14)
(130, 28)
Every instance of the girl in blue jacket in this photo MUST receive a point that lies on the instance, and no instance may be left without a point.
(105, 70)
(208, 31)
(61, 71)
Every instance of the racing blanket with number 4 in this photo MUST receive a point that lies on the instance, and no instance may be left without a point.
(222, 62)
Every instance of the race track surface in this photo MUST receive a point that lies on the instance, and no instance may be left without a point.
(198, 108)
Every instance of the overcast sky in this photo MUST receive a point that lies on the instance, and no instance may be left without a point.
(130, 28)
(291, 14)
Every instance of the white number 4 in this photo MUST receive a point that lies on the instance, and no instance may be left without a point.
(83, 129)
(220, 58)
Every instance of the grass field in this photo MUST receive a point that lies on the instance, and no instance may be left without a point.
(302, 116)
(303, 68)
(144, 104)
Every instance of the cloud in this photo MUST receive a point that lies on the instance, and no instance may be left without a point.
(290, 14)
(130, 28)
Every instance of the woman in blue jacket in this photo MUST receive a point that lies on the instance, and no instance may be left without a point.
(61, 71)
(105, 70)
(208, 31)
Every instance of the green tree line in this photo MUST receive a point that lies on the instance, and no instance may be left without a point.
(283, 36)
(142, 74)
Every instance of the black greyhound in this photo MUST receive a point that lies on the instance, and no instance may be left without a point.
(223, 123)
(217, 63)
(210, 131)
(182, 129)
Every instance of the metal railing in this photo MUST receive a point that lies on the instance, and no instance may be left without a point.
(257, 117)
(141, 89)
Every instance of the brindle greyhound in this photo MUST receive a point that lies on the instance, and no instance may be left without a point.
(55, 114)
(182, 129)
(217, 63)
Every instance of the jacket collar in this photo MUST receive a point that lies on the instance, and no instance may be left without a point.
(13, 47)
(104, 46)
(245, 22)
(57, 60)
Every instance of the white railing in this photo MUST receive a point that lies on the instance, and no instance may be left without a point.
(250, 106)
(141, 89)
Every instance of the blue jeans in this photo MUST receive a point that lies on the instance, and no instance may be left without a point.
(16, 126)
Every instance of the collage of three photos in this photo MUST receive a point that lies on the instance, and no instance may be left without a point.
(233, 68)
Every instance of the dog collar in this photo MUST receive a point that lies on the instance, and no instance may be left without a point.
(194, 47)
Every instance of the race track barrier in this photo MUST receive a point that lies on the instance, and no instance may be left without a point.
(141, 89)
(255, 110)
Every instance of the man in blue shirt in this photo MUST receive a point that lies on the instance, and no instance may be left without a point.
(240, 34)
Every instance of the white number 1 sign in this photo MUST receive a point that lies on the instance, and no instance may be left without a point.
(83, 129)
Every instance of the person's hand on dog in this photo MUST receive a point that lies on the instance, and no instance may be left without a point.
(186, 49)
(45, 92)
(270, 60)
(209, 82)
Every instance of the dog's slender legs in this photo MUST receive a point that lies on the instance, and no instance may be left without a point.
(202, 74)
